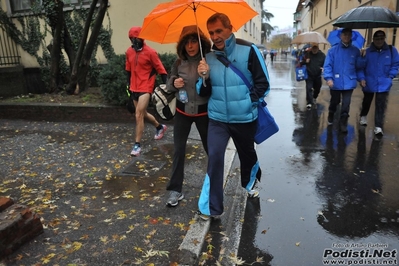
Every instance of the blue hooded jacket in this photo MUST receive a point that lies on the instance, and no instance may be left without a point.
(379, 67)
(340, 66)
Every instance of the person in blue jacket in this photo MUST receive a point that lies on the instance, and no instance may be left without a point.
(380, 65)
(342, 74)
(232, 111)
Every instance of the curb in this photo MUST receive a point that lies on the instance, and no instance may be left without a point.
(194, 239)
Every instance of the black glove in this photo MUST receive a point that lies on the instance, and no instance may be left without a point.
(164, 78)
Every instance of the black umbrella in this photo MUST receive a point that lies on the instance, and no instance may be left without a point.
(367, 17)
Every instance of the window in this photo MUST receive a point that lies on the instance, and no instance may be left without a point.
(314, 16)
(18, 6)
(22, 6)
(76, 2)
(327, 7)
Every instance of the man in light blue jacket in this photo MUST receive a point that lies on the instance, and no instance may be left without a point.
(341, 74)
(380, 64)
(232, 111)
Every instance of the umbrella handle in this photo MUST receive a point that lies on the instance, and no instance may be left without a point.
(200, 45)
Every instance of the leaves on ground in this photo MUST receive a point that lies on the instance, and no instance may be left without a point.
(68, 173)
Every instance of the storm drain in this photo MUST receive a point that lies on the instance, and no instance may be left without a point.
(142, 167)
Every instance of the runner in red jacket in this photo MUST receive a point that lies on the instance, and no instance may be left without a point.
(142, 65)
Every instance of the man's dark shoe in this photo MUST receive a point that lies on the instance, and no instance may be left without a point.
(343, 124)
(205, 217)
(343, 128)
(330, 119)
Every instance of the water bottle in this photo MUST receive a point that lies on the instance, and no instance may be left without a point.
(183, 96)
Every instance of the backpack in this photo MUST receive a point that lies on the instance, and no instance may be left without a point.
(164, 102)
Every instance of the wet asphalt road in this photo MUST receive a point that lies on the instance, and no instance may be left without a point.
(323, 193)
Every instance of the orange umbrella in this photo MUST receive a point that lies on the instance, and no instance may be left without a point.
(165, 22)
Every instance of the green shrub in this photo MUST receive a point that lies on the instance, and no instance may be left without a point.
(112, 77)
(167, 60)
(112, 80)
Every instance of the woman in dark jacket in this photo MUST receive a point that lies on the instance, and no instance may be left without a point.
(314, 61)
(184, 76)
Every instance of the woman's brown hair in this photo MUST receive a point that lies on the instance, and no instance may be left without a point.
(190, 32)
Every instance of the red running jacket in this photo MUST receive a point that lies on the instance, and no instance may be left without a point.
(143, 65)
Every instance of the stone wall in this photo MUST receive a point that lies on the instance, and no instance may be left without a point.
(34, 83)
(12, 81)
(67, 112)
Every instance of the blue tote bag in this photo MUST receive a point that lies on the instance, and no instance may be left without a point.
(301, 73)
(267, 126)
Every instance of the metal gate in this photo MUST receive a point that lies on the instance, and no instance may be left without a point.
(9, 55)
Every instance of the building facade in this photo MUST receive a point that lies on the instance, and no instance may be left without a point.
(319, 15)
(123, 14)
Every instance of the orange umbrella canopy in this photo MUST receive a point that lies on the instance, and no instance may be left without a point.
(165, 22)
(309, 37)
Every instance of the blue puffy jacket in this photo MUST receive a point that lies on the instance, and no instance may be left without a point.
(379, 68)
(340, 66)
(231, 101)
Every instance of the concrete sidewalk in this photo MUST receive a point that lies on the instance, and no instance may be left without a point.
(100, 206)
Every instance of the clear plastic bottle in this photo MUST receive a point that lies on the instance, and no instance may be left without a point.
(183, 96)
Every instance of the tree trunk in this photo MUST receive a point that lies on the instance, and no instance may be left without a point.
(74, 86)
(88, 52)
(66, 37)
(56, 49)
(68, 46)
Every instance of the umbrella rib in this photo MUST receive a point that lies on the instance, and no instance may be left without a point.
(191, 6)
(171, 22)
(213, 10)
(194, 8)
